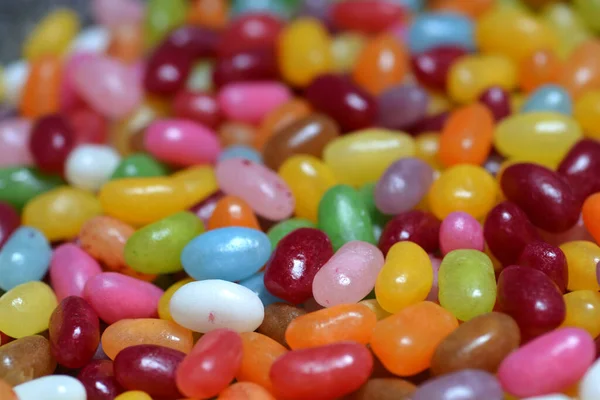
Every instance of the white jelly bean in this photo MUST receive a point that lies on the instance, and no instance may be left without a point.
(15, 76)
(94, 39)
(90, 166)
(53, 387)
(204, 306)
(589, 386)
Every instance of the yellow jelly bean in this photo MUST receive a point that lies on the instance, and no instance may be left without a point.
(52, 35)
(163, 303)
(308, 179)
(345, 49)
(60, 213)
(582, 257)
(25, 309)
(200, 182)
(133, 395)
(140, 201)
(361, 157)
(467, 188)
(438, 103)
(374, 306)
(471, 75)
(567, 25)
(583, 311)
(587, 113)
(542, 137)
(406, 277)
(427, 148)
(589, 10)
(304, 51)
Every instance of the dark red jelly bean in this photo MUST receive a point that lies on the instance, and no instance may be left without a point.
(249, 32)
(497, 100)
(249, 65)
(74, 332)
(206, 207)
(352, 107)
(52, 139)
(99, 381)
(581, 168)
(9, 221)
(431, 67)
(292, 267)
(416, 226)
(546, 258)
(167, 70)
(365, 16)
(327, 372)
(546, 198)
(149, 368)
(197, 106)
(430, 123)
(194, 41)
(532, 299)
(507, 231)
(88, 125)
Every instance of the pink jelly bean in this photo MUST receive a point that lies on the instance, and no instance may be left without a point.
(267, 194)
(14, 142)
(115, 297)
(460, 230)
(112, 13)
(550, 363)
(69, 98)
(251, 101)
(433, 293)
(349, 275)
(110, 87)
(182, 142)
(70, 269)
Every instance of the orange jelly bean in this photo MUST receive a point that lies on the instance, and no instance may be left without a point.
(126, 43)
(582, 70)
(6, 392)
(208, 13)
(591, 215)
(233, 133)
(245, 391)
(233, 211)
(539, 68)
(260, 352)
(279, 118)
(42, 90)
(406, 341)
(353, 322)
(467, 136)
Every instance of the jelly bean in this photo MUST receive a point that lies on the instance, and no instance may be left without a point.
(24, 258)
(9, 222)
(471, 75)
(550, 98)
(90, 166)
(99, 381)
(548, 259)
(343, 216)
(149, 368)
(267, 194)
(232, 211)
(256, 283)
(200, 78)
(212, 304)
(89, 126)
(536, 311)
(199, 181)
(298, 257)
(380, 65)
(470, 383)
(233, 133)
(208, 13)
(459, 230)
(582, 69)
(115, 297)
(582, 258)
(278, 119)
(548, 202)
(14, 142)
(251, 101)
(52, 139)
(16, 74)
(249, 32)
(244, 66)
(402, 106)
(364, 16)
(345, 48)
(133, 395)
(339, 369)
(308, 135)
(403, 185)
(480, 343)
(211, 365)
(417, 226)
(497, 101)
(568, 25)
(280, 230)
(433, 30)
(18, 185)
(380, 388)
(587, 109)
(26, 359)
(245, 391)
(70, 269)
(117, 12)
(161, 17)
(52, 35)
(197, 106)
(582, 311)
(131, 332)
(539, 68)
(206, 207)
(41, 91)
(465, 188)
(378, 219)
(588, 386)
(167, 70)
(163, 304)
(434, 292)
(579, 167)
(240, 151)
(278, 316)
(60, 213)
(405, 342)
(53, 387)
(431, 67)
(139, 165)
(26, 309)
(126, 43)
(304, 51)
(567, 346)
(259, 354)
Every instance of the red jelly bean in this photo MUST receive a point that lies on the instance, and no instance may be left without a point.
(543, 195)
(292, 267)
(194, 41)
(581, 168)
(352, 107)
(532, 299)
(149, 368)
(88, 125)
(9, 221)
(249, 65)
(431, 67)
(249, 32)
(211, 365)
(366, 16)
(497, 100)
(204, 209)
(52, 139)
(431, 123)
(507, 231)
(416, 226)
(321, 373)
(167, 70)
(546, 258)
(99, 381)
(74, 332)
(197, 106)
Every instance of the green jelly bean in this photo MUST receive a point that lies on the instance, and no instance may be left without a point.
(200, 77)
(156, 248)
(278, 231)
(162, 16)
(18, 185)
(344, 217)
(467, 284)
(379, 219)
(139, 166)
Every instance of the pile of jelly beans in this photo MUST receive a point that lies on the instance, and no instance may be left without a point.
(303, 200)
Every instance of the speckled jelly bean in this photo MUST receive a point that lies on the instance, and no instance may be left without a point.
(24, 257)
(52, 387)
(551, 98)
(416, 226)
(431, 30)
(546, 258)
(26, 359)
(460, 230)
(26, 309)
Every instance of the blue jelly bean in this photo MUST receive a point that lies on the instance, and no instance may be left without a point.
(430, 30)
(25, 257)
(256, 283)
(549, 98)
(231, 254)
(244, 152)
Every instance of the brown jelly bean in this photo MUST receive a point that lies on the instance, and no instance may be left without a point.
(25, 359)
(277, 318)
(384, 389)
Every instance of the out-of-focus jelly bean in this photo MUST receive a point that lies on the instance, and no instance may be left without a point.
(15, 136)
(587, 112)
(402, 106)
(161, 17)
(232, 211)
(251, 31)
(459, 230)
(470, 383)
(546, 258)
(431, 67)
(41, 91)
(139, 165)
(278, 119)
(99, 381)
(25, 309)
(52, 35)
(497, 100)
(24, 257)
(245, 391)
(433, 30)
(206, 207)
(18, 185)
(166, 58)
(70, 269)
(251, 101)
(278, 317)
(9, 222)
(248, 65)
(241, 151)
(380, 388)
(582, 258)
(539, 68)
(364, 16)
(381, 64)
(583, 308)
(52, 139)
(61, 387)
(581, 71)
(416, 226)
(345, 49)
(197, 106)
(90, 166)
(26, 359)
(551, 98)
(281, 229)
(260, 352)
(199, 182)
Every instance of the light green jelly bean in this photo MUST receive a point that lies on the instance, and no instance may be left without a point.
(162, 16)
(156, 248)
(18, 185)
(139, 166)
(467, 284)
(280, 230)
(200, 77)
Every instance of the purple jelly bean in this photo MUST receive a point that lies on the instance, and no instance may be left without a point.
(403, 106)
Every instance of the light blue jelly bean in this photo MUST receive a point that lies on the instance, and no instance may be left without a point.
(549, 98)
(244, 152)
(231, 254)
(430, 30)
(25, 257)
(256, 283)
